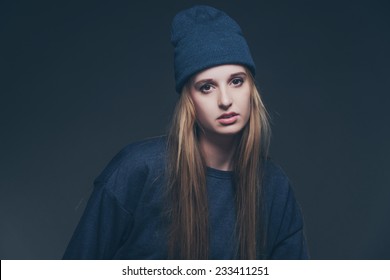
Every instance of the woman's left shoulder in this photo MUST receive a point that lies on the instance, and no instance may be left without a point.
(276, 184)
(274, 175)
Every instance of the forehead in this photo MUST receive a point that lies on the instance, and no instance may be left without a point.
(219, 72)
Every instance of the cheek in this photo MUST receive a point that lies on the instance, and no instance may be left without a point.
(202, 114)
(200, 110)
(206, 117)
(245, 104)
(248, 104)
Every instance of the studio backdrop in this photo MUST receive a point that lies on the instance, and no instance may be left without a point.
(82, 79)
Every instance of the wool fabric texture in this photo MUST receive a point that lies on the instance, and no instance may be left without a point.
(204, 37)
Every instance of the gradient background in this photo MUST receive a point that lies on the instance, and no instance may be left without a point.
(80, 80)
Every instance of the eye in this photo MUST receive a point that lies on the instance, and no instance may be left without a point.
(237, 82)
(206, 88)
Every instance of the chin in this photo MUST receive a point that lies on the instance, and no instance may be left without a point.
(229, 130)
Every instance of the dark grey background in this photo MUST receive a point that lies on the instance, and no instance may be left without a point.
(80, 80)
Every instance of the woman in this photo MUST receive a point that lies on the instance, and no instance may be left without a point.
(207, 190)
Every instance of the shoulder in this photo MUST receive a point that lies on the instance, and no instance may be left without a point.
(274, 176)
(136, 158)
(145, 150)
(277, 188)
(283, 215)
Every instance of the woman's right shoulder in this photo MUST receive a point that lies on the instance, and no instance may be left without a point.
(136, 159)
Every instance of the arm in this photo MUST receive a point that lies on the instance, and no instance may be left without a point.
(290, 242)
(109, 218)
(284, 221)
(101, 229)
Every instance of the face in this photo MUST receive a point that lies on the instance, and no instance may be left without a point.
(221, 96)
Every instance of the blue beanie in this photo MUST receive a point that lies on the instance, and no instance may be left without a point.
(204, 37)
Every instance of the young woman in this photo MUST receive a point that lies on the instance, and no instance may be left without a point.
(207, 190)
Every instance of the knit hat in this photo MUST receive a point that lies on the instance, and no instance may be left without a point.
(204, 37)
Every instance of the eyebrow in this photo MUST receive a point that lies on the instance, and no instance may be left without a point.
(237, 74)
(210, 80)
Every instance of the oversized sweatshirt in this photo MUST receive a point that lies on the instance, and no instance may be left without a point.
(125, 215)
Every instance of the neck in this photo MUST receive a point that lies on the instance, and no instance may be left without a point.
(218, 150)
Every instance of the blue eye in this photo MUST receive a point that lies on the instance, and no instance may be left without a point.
(237, 81)
(206, 88)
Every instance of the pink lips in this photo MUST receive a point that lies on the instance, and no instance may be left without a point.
(228, 118)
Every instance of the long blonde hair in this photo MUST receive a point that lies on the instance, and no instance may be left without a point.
(186, 175)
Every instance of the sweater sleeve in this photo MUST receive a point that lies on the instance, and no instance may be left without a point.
(290, 242)
(101, 229)
(109, 217)
(285, 227)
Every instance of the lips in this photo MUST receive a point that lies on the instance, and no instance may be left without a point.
(227, 115)
(228, 118)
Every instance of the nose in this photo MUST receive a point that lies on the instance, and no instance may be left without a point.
(224, 99)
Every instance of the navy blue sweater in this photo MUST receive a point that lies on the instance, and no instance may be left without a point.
(124, 217)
